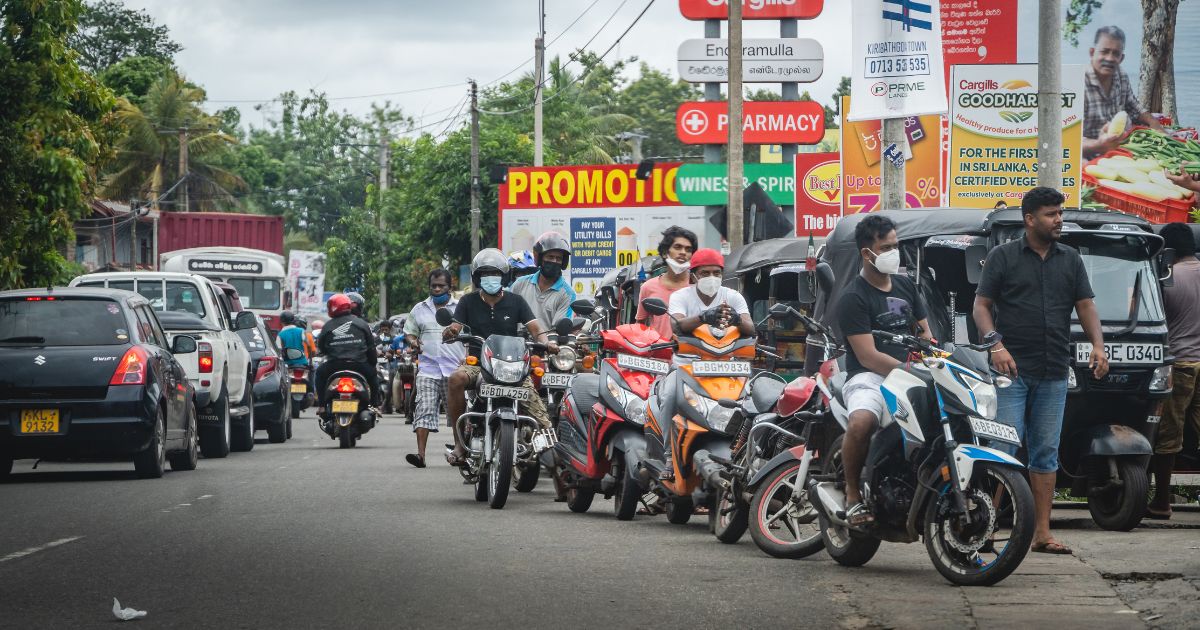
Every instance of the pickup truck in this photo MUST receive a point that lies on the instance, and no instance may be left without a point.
(221, 371)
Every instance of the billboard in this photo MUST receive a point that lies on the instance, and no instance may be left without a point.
(818, 193)
(896, 59)
(752, 9)
(861, 149)
(306, 277)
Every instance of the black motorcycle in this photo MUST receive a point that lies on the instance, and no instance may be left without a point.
(348, 413)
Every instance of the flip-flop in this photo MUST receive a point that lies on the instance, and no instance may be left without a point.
(858, 515)
(1157, 515)
(415, 460)
(456, 460)
(1052, 547)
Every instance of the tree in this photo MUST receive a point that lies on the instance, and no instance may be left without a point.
(53, 135)
(651, 101)
(131, 78)
(108, 33)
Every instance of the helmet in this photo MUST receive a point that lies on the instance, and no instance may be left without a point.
(339, 305)
(522, 263)
(358, 302)
(301, 322)
(397, 323)
(488, 259)
(287, 317)
(551, 241)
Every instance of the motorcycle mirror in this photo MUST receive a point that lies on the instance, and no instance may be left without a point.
(729, 403)
(1166, 260)
(806, 291)
(563, 327)
(780, 310)
(654, 306)
(443, 317)
(825, 277)
(583, 307)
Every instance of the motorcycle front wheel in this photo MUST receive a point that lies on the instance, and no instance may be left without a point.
(782, 521)
(728, 517)
(504, 453)
(978, 551)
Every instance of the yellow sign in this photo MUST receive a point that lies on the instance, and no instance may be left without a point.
(770, 154)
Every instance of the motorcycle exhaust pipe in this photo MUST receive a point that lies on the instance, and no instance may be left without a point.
(829, 501)
(709, 470)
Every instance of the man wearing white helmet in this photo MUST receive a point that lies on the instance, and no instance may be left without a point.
(490, 311)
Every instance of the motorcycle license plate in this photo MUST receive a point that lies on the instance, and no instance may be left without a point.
(995, 430)
(642, 364)
(499, 391)
(557, 380)
(299, 388)
(345, 406)
(1122, 353)
(720, 368)
(35, 421)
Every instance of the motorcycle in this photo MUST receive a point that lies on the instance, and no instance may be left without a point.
(383, 370)
(404, 374)
(553, 375)
(300, 388)
(492, 427)
(926, 474)
(600, 429)
(349, 414)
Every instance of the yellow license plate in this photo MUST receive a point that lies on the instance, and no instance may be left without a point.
(345, 406)
(39, 421)
(299, 388)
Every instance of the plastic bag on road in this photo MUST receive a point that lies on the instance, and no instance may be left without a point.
(126, 614)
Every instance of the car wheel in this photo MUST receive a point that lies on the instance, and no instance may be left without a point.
(277, 433)
(214, 441)
(190, 455)
(243, 432)
(151, 461)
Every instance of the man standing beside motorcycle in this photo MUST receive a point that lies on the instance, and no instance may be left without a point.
(490, 311)
(437, 360)
(879, 298)
(348, 344)
(548, 295)
(1032, 284)
(676, 248)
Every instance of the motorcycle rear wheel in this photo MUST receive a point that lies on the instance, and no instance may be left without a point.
(728, 517)
(580, 499)
(679, 510)
(772, 506)
(504, 453)
(847, 547)
(345, 438)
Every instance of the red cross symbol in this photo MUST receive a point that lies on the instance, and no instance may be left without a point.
(695, 122)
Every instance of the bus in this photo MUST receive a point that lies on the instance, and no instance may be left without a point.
(260, 277)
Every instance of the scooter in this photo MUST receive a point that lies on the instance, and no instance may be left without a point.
(349, 414)
(926, 474)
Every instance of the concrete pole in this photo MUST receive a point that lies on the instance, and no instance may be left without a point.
(1050, 94)
(892, 187)
(475, 168)
(183, 170)
(734, 216)
(539, 53)
(385, 158)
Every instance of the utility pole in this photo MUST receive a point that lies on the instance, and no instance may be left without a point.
(892, 187)
(183, 169)
(539, 55)
(1049, 94)
(385, 159)
(734, 216)
(475, 167)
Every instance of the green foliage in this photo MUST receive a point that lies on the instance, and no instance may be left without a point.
(53, 134)
(1079, 15)
(651, 100)
(132, 78)
(108, 33)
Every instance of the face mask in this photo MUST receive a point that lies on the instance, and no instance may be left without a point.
(440, 299)
(552, 270)
(490, 284)
(887, 263)
(676, 266)
(708, 285)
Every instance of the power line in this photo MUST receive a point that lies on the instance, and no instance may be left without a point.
(556, 38)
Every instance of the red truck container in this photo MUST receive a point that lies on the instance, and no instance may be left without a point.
(182, 230)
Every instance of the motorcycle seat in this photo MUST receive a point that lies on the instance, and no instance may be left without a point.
(836, 384)
(765, 392)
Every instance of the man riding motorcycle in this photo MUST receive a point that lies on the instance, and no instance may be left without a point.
(549, 296)
(490, 311)
(348, 344)
(294, 337)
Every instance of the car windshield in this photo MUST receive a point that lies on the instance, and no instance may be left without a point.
(183, 297)
(61, 321)
(260, 293)
(1113, 267)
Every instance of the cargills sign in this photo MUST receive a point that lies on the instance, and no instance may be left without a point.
(752, 9)
(206, 265)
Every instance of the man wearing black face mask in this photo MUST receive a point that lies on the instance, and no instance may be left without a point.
(548, 295)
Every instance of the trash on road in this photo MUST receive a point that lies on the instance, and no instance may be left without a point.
(126, 614)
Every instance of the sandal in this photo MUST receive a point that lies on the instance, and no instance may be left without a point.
(415, 460)
(456, 460)
(858, 515)
(1157, 515)
(1052, 547)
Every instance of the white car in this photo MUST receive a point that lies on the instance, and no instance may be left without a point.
(220, 371)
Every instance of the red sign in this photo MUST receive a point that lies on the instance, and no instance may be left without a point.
(978, 31)
(764, 122)
(752, 9)
(818, 193)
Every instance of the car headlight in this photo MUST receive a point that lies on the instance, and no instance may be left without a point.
(985, 396)
(508, 371)
(1160, 381)
(564, 361)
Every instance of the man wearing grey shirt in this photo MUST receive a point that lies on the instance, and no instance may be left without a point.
(437, 360)
(548, 295)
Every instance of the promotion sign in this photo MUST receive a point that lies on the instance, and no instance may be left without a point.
(978, 31)
(306, 277)
(752, 9)
(763, 60)
(764, 122)
(605, 186)
(818, 193)
(994, 129)
(861, 155)
(708, 184)
(897, 59)
(593, 246)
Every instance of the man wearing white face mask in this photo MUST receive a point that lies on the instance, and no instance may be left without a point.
(878, 299)
(676, 250)
(707, 302)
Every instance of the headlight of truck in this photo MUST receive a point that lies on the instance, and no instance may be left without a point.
(564, 361)
(508, 371)
(985, 396)
(1160, 381)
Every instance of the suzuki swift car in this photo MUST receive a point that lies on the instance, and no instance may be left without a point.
(87, 374)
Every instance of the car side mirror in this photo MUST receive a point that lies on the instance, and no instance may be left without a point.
(654, 306)
(183, 344)
(287, 298)
(583, 307)
(825, 277)
(292, 354)
(563, 327)
(1166, 269)
(443, 317)
(245, 320)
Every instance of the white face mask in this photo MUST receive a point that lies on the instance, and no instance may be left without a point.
(676, 266)
(887, 263)
(708, 285)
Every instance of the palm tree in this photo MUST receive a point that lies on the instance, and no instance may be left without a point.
(590, 138)
(147, 161)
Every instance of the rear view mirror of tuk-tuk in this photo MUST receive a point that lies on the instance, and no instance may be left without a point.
(973, 257)
(1166, 260)
(806, 287)
(825, 278)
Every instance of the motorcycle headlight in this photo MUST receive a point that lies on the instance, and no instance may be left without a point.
(508, 371)
(635, 410)
(1160, 381)
(564, 361)
(985, 396)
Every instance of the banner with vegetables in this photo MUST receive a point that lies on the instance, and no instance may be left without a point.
(1134, 179)
(993, 134)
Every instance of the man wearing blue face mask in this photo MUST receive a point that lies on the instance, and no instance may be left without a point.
(490, 311)
(436, 361)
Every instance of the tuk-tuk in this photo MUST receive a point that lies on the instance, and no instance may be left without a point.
(1109, 424)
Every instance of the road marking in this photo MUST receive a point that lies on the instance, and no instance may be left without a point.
(203, 497)
(32, 550)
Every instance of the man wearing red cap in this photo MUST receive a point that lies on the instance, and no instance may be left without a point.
(707, 302)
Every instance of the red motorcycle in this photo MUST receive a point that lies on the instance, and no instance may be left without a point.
(600, 434)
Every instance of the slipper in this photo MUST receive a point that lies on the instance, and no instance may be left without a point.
(1157, 515)
(415, 460)
(858, 515)
(456, 460)
(1052, 547)
(701, 510)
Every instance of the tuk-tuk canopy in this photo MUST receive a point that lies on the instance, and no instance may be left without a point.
(773, 251)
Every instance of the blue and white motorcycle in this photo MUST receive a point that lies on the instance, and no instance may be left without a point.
(927, 476)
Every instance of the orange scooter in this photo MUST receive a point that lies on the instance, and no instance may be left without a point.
(701, 430)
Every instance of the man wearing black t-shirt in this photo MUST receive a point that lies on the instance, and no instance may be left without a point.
(877, 299)
(490, 311)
